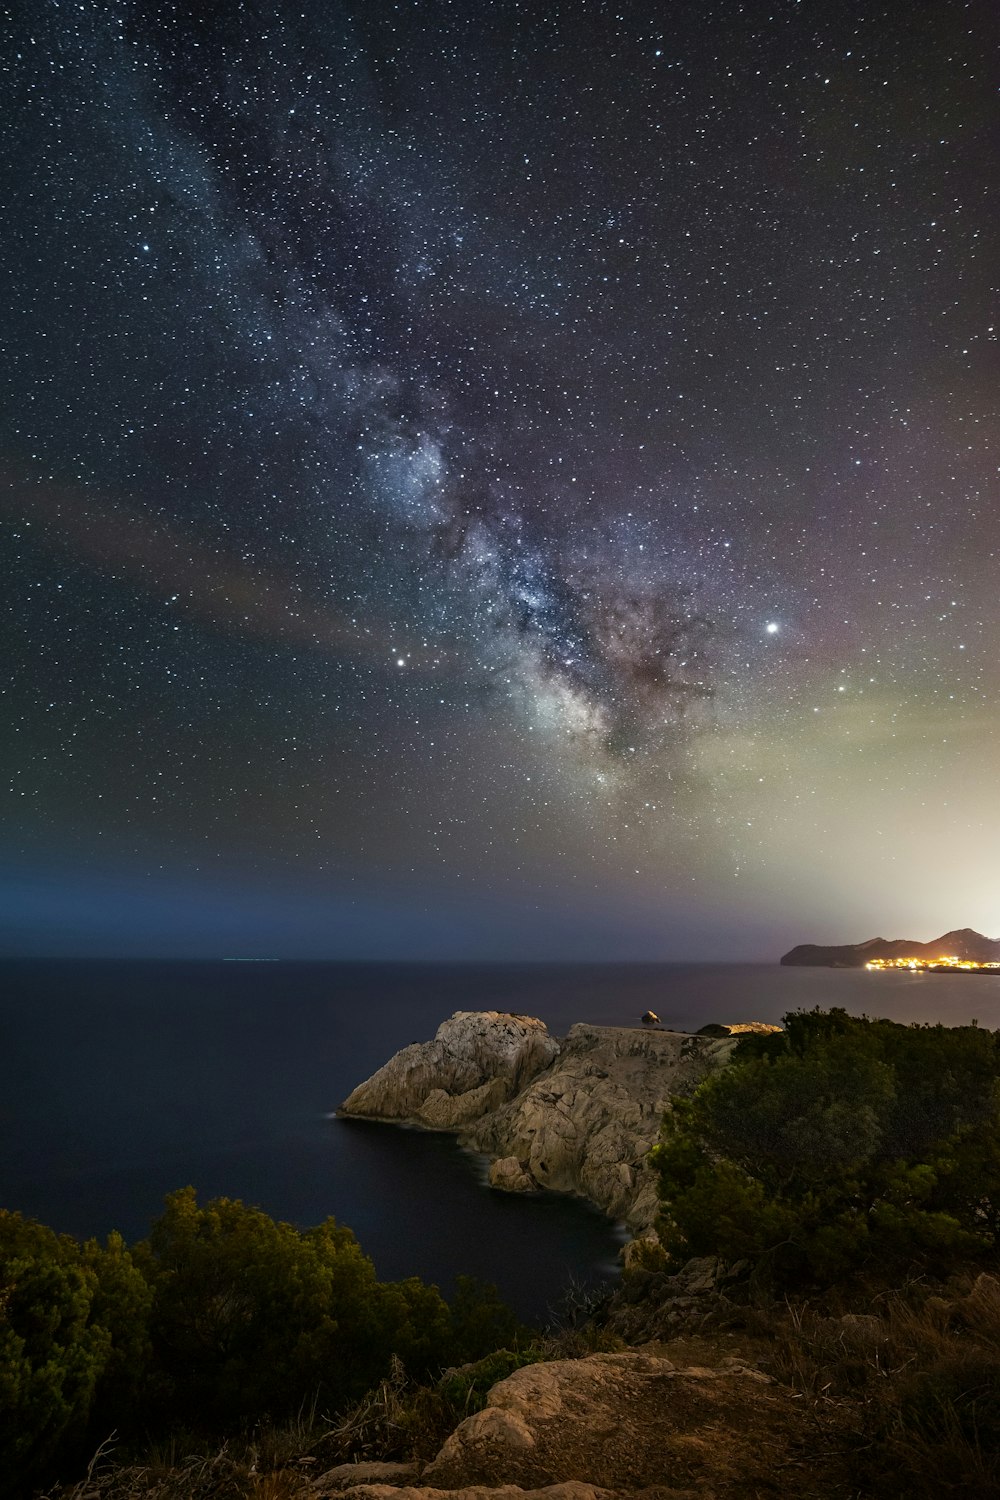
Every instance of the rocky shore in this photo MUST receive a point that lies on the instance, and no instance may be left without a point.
(577, 1115)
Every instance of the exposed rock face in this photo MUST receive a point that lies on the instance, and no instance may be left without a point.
(371, 1472)
(655, 1304)
(570, 1489)
(503, 1438)
(476, 1060)
(547, 1420)
(616, 1424)
(587, 1123)
(579, 1117)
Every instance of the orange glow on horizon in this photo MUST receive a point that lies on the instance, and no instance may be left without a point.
(946, 961)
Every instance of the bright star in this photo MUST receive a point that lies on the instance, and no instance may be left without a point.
(772, 627)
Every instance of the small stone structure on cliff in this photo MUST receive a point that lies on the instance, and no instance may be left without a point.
(573, 1116)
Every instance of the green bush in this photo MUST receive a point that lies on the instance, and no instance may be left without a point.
(482, 1322)
(840, 1144)
(72, 1338)
(465, 1389)
(222, 1318)
(250, 1315)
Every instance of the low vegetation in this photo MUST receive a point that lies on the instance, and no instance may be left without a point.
(221, 1323)
(840, 1147)
(853, 1167)
(905, 1396)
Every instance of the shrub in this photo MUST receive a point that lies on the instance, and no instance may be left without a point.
(482, 1322)
(72, 1331)
(251, 1315)
(221, 1320)
(838, 1143)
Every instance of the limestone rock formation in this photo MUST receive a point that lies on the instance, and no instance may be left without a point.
(654, 1304)
(586, 1124)
(576, 1117)
(547, 1420)
(611, 1425)
(477, 1059)
(367, 1472)
(570, 1489)
(510, 1176)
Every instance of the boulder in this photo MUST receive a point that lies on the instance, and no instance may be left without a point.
(569, 1490)
(511, 1176)
(347, 1476)
(617, 1422)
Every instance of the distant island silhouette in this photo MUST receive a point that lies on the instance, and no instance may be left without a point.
(962, 944)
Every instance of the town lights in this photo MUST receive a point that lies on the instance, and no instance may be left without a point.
(946, 964)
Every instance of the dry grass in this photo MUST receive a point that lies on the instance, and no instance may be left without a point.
(221, 1475)
(274, 1464)
(396, 1419)
(916, 1384)
(375, 1426)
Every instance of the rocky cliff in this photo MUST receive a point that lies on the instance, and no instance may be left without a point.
(477, 1060)
(576, 1116)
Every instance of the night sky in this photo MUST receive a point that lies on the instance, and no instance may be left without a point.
(498, 480)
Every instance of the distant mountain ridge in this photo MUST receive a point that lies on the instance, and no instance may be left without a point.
(962, 943)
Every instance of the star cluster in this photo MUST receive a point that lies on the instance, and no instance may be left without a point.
(535, 457)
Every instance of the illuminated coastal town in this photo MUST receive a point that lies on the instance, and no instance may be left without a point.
(946, 964)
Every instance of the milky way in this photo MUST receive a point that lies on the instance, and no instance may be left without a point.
(526, 476)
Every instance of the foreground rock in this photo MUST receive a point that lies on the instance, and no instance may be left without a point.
(652, 1305)
(569, 1490)
(574, 1117)
(367, 1472)
(614, 1424)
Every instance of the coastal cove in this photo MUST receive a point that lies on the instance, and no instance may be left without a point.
(123, 1081)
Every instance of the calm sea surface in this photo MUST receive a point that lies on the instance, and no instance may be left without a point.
(120, 1081)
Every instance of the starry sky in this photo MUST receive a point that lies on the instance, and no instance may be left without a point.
(498, 481)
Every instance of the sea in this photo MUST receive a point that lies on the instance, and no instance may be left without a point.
(122, 1081)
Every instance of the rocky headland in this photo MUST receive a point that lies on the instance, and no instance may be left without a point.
(577, 1115)
(963, 943)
